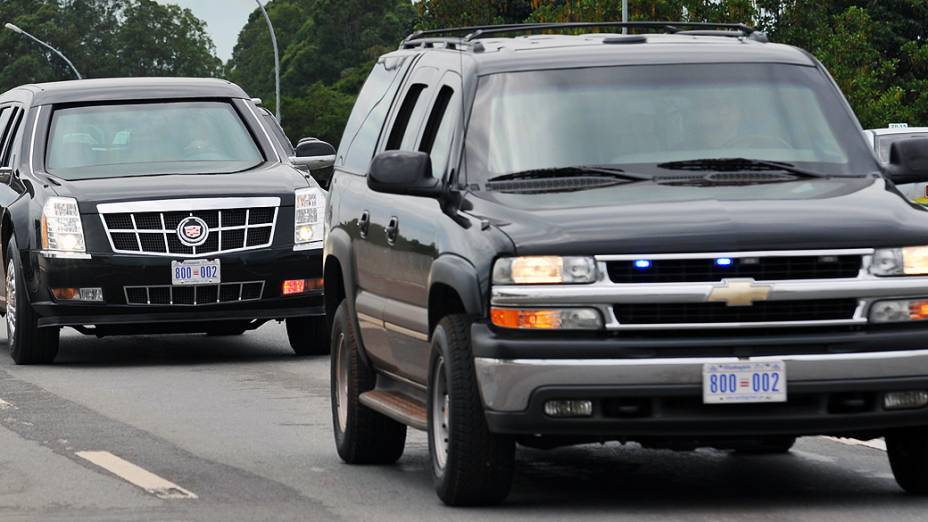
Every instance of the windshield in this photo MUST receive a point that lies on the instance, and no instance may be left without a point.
(885, 142)
(98, 141)
(638, 117)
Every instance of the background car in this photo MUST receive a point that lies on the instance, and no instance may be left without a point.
(882, 139)
(153, 206)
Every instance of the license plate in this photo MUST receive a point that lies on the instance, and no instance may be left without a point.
(744, 382)
(196, 272)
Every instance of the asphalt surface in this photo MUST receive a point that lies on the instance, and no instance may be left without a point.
(240, 430)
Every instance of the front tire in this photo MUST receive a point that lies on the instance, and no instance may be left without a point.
(308, 335)
(362, 435)
(908, 457)
(470, 465)
(28, 343)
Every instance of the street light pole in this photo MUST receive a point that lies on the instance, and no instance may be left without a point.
(270, 27)
(17, 30)
(625, 15)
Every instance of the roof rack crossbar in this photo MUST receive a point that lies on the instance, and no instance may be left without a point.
(672, 27)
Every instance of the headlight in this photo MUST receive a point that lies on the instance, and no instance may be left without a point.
(900, 261)
(62, 230)
(308, 226)
(544, 270)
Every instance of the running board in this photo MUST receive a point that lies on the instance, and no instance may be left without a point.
(398, 406)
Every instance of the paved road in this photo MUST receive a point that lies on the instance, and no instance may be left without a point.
(238, 429)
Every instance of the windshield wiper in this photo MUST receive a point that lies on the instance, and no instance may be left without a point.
(592, 171)
(738, 165)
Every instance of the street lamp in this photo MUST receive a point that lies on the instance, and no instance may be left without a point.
(625, 15)
(17, 30)
(270, 27)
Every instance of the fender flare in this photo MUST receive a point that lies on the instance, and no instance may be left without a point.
(458, 273)
(338, 247)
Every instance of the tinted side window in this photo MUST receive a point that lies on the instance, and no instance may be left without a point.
(370, 110)
(278, 132)
(439, 131)
(5, 114)
(412, 102)
(15, 118)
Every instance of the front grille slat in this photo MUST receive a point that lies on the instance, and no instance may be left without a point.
(194, 295)
(771, 268)
(714, 313)
(155, 233)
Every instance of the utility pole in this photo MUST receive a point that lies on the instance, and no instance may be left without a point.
(17, 30)
(270, 27)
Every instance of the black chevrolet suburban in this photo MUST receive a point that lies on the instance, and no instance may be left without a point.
(153, 206)
(678, 238)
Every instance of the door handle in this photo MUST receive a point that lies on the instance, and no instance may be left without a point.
(393, 228)
(364, 222)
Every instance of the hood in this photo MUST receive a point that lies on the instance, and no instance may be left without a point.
(650, 218)
(267, 180)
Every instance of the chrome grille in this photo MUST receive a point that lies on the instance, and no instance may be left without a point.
(150, 228)
(194, 295)
(811, 288)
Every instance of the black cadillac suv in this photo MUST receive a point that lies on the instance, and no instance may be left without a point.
(152, 206)
(678, 238)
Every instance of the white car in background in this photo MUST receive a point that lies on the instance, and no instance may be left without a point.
(882, 139)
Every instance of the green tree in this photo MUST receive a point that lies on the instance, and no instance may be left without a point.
(104, 38)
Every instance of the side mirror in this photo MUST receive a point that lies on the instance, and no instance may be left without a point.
(316, 156)
(908, 161)
(403, 172)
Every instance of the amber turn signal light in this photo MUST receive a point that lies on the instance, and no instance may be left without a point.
(299, 286)
(546, 319)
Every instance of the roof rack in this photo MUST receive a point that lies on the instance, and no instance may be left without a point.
(459, 36)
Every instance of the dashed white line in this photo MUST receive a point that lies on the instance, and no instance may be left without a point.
(878, 444)
(133, 474)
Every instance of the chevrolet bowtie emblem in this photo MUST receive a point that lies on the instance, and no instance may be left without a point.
(739, 292)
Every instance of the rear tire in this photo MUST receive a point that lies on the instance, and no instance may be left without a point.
(308, 335)
(362, 435)
(470, 465)
(28, 343)
(908, 457)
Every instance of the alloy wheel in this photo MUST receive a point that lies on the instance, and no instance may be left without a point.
(440, 418)
(10, 302)
(341, 383)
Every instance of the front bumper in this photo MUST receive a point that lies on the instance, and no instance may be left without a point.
(648, 396)
(113, 273)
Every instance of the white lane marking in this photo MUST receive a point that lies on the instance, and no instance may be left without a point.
(4, 405)
(133, 474)
(878, 444)
(813, 456)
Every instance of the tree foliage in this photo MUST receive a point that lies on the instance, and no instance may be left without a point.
(877, 51)
(104, 38)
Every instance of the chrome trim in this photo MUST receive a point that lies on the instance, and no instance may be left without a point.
(604, 294)
(404, 380)
(369, 319)
(270, 142)
(392, 327)
(738, 255)
(189, 205)
(507, 385)
(35, 129)
(218, 287)
(52, 254)
(182, 205)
